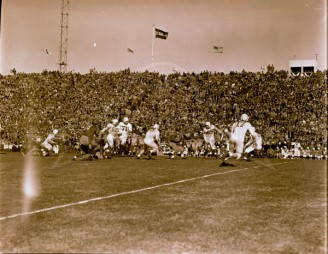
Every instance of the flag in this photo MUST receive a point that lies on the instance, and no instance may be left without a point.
(161, 34)
(130, 50)
(217, 49)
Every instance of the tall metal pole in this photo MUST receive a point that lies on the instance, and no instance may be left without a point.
(63, 36)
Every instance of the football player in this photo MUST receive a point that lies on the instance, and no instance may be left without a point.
(88, 142)
(113, 132)
(254, 143)
(125, 132)
(151, 141)
(236, 139)
(49, 145)
(208, 135)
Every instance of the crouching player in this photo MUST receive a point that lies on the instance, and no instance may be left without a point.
(151, 141)
(88, 143)
(49, 145)
(254, 143)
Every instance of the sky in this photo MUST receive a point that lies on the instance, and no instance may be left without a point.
(253, 33)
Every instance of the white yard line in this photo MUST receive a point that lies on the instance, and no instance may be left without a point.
(129, 192)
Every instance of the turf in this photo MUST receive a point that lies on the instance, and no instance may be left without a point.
(165, 206)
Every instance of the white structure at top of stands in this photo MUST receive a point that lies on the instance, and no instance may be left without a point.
(303, 66)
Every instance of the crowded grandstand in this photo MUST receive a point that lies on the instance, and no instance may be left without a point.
(290, 112)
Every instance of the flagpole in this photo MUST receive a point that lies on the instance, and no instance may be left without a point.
(128, 58)
(152, 48)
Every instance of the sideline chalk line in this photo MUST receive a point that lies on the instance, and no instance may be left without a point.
(128, 192)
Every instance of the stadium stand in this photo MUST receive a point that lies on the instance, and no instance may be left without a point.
(283, 108)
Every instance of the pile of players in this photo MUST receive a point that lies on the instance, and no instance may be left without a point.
(238, 143)
(97, 143)
(117, 137)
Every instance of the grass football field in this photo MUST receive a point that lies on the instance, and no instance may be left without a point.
(124, 205)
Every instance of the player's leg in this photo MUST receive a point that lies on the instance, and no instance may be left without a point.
(85, 153)
(225, 154)
(144, 148)
(110, 148)
(123, 143)
(46, 149)
(248, 151)
(149, 146)
(154, 149)
(117, 145)
(142, 151)
(128, 146)
(55, 149)
(96, 152)
(239, 147)
(214, 148)
(82, 148)
(226, 151)
(207, 146)
(102, 144)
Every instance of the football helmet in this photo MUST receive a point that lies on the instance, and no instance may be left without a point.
(244, 117)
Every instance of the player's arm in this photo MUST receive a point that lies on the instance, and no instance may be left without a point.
(205, 131)
(52, 141)
(157, 139)
(233, 127)
(104, 129)
(129, 128)
(219, 132)
(251, 129)
(250, 141)
(159, 145)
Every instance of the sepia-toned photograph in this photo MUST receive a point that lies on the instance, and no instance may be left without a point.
(163, 126)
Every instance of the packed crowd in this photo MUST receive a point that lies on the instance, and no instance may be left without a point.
(283, 108)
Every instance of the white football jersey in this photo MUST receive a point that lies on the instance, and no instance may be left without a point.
(239, 130)
(209, 132)
(111, 129)
(152, 134)
(125, 128)
(49, 139)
